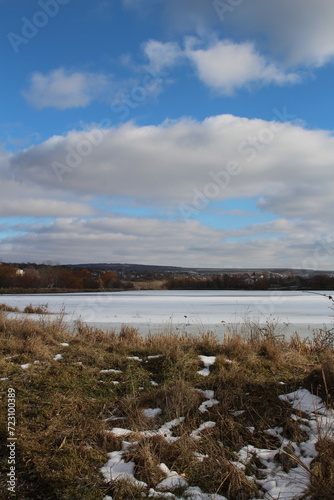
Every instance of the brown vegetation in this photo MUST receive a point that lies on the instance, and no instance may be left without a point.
(65, 407)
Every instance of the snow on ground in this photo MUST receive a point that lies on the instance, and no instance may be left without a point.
(206, 425)
(58, 357)
(207, 362)
(111, 370)
(278, 481)
(289, 485)
(210, 400)
(152, 412)
(172, 481)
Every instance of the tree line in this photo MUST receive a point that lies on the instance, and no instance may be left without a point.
(240, 282)
(58, 277)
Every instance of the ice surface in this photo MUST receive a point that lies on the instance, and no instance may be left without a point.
(151, 310)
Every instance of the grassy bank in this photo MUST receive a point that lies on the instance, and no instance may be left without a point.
(82, 396)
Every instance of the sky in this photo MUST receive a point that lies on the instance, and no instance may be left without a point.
(171, 132)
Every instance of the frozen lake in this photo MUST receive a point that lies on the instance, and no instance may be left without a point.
(193, 311)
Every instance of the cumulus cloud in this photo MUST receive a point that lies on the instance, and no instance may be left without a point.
(180, 15)
(64, 89)
(295, 32)
(28, 199)
(186, 162)
(222, 65)
(42, 207)
(152, 241)
(226, 66)
(300, 33)
(161, 55)
(178, 169)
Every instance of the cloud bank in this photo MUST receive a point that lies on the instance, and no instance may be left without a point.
(178, 169)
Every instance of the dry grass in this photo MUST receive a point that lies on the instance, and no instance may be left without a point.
(322, 471)
(42, 309)
(7, 308)
(63, 405)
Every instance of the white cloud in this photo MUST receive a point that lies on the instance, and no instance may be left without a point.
(226, 66)
(28, 199)
(162, 55)
(176, 163)
(180, 15)
(296, 32)
(63, 89)
(152, 241)
(42, 207)
(300, 32)
(174, 167)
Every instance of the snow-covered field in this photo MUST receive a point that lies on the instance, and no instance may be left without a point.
(191, 310)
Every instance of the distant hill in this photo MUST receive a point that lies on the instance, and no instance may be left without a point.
(197, 270)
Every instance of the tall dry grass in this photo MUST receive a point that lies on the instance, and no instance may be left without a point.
(66, 406)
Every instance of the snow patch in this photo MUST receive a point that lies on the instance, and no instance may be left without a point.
(207, 362)
(206, 425)
(152, 412)
(111, 370)
(210, 400)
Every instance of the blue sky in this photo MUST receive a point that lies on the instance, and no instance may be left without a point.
(179, 132)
